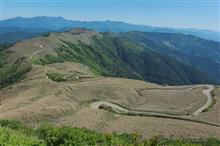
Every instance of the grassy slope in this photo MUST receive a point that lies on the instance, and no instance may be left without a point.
(116, 55)
(113, 55)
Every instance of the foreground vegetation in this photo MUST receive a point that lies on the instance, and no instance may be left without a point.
(15, 133)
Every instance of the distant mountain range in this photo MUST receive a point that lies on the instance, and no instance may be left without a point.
(19, 28)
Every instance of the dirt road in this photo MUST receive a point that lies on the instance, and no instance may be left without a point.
(41, 48)
(206, 92)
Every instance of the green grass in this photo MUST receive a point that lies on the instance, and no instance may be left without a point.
(12, 124)
(48, 59)
(211, 106)
(56, 76)
(15, 133)
(10, 137)
(36, 62)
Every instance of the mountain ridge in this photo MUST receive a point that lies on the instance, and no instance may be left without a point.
(111, 54)
(61, 24)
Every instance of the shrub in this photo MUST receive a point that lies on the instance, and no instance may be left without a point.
(14, 133)
(12, 124)
(10, 137)
(54, 136)
(56, 77)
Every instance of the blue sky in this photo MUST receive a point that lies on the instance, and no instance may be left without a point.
(203, 14)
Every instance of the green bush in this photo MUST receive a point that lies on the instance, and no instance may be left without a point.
(55, 136)
(14, 133)
(10, 137)
(56, 77)
(48, 59)
(12, 124)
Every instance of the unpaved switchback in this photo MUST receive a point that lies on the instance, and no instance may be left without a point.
(206, 92)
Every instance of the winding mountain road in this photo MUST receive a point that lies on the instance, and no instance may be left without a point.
(120, 109)
(207, 93)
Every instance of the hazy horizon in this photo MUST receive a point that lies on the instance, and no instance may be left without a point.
(197, 14)
(116, 21)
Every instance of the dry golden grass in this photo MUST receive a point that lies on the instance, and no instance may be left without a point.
(138, 95)
(37, 99)
(104, 121)
(174, 100)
